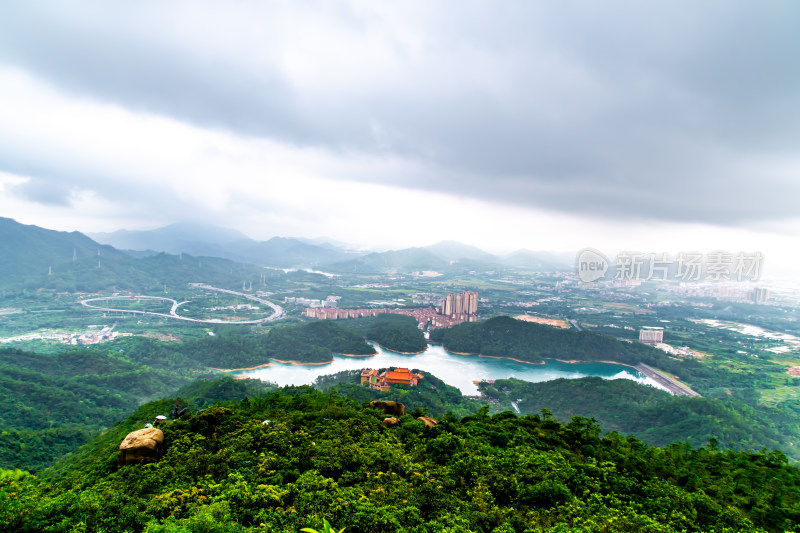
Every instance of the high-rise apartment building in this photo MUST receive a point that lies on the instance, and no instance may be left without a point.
(651, 335)
(465, 303)
(759, 295)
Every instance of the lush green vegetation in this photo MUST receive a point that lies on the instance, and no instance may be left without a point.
(506, 337)
(338, 338)
(321, 456)
(211, 390)
(398, 333)
(52, 403)
(327, 335)
(654, 416)
(230, 347)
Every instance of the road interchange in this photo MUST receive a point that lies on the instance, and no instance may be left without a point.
(277, 311)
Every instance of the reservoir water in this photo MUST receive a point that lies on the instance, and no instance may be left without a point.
(456, 370)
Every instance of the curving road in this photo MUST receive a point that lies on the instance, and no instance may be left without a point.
(277, 311)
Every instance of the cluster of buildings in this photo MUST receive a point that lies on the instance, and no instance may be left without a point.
(328, 303)
(730, 292)
(426, 298)
(423, 315)
(382, 381)
(89, 338)
(455, 309)
(338, 314)
(93, 336)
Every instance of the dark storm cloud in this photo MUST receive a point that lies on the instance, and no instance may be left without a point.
(672, 111)
(142, 72)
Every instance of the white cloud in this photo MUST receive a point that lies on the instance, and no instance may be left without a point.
(399, 125)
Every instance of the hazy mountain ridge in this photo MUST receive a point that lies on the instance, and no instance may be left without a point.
(32, 258)
(407, 259)
(290, 252)
(449, 256)
(175, 238)
(214, 241)
(285, 252)
(27, 250)
(37, 256)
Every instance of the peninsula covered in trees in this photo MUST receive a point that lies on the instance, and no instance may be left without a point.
(504, 336)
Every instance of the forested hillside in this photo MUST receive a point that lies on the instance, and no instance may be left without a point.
(51, 404)
(37, 258)
(287, 460)
(310, 342)
(398, 333)
(654, 416)
(504, 336)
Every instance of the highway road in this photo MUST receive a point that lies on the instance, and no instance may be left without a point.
(277, 311)
(676, 388)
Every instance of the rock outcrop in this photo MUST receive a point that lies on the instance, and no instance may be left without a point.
(428, 421)
(140, 446)
(390, 408)
(390, 422)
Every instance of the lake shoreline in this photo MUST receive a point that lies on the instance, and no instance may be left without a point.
(495, 356)
(572, 361)
(512, 359)
(395, 351)
(302, 363)
(291, 362)
(544, 362)
(373, 354)
(456, 369)
(265, 365)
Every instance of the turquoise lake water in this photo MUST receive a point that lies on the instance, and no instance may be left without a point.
(456, 370)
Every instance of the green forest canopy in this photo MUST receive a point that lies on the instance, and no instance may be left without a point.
(323, 456)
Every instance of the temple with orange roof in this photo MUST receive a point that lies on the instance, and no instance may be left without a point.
(400, 376)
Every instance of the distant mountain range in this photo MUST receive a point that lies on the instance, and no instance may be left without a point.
(182, 237)
(27, 251)
(283, 252)
(206, 240)
(32, 258)
(450, 256)
(37, 256)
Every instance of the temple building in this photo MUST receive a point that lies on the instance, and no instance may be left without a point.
(382, 381)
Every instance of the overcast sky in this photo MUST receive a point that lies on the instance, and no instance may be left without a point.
(651, 126)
